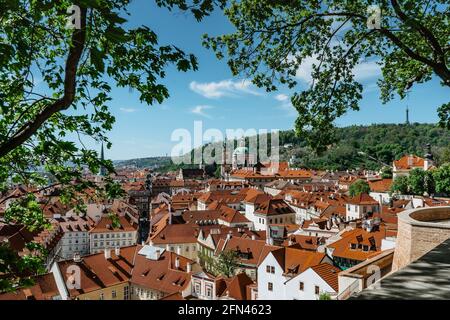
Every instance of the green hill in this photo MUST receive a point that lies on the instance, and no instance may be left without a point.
(383, 142)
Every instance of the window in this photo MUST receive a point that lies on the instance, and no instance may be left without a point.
(102, 296)
(126, 293)
(209, 291)
(197, 288)
(270, 286)
(317, 290)
(268, 269)
(302, 286)
(95, 236)
(107, 236)
(272, 269)
(114, 294)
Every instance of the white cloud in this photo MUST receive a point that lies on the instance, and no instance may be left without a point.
(362, 71)
(200, 110)
(281, 97)
(214, 90)
(367, 70)
(128, 110)
(304, 71)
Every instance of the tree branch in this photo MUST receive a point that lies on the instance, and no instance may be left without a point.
(427, 34)
(73, 58)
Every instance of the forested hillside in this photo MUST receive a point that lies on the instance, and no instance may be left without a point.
(383, 142)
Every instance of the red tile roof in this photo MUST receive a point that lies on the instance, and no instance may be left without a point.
(295, 261)
(162, 274)
(363, 199)
(329, 274)
(274, 207)
(383, 185)
(409, 162)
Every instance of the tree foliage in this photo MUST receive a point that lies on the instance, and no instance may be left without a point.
(442, 179)
(400, 185)
(358, 187)
(272, 39)
(226, 263)
(420, 182)
(55, 89)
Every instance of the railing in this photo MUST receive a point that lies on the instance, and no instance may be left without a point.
(353, 288)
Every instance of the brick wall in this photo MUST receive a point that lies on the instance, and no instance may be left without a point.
(417, 237)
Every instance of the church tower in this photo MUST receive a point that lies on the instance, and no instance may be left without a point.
(102, 158)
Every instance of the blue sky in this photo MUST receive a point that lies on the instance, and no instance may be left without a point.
(212, 95)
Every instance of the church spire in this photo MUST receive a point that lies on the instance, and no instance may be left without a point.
(102, 158)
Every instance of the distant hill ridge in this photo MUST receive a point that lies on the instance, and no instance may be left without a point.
(353, 149)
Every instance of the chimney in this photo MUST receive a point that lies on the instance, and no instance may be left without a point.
(269, 239)
(179, 250)
(76, 257)
(107, 253)
(117, 251)
(410, 160)
(158, 254)
(253, 237)
(177, 263)
(188, 267)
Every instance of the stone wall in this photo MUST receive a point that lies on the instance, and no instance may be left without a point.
(419, 231)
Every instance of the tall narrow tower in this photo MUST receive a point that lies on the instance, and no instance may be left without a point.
(407, 109)
(407, 115)
(102, 158)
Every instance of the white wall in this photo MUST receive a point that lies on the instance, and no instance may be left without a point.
(74, 242)
(310, 280)
(384, 197)
(277, 279)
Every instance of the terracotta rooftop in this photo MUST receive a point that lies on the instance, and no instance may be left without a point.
(295, 261)
(409, 162)
(363, 199)
(329, 274)
(274, 207)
